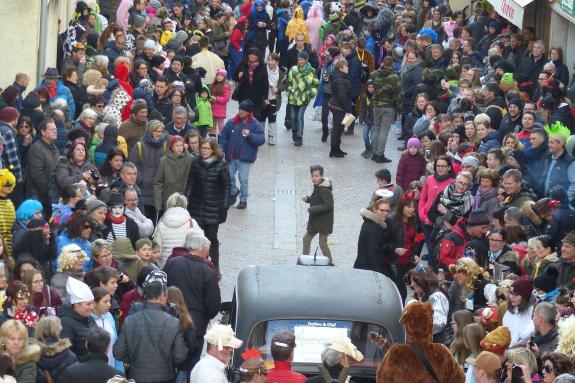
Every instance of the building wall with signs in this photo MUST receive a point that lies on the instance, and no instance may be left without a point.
(561, 29)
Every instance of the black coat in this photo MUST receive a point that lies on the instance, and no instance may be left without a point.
(132, 230)
(375, 245)
(56, 357)
(75, 327)
(340, 91)
(257, 90)
(292, 53)
(208, 191)
(199, 283)
(409, 80)
(93, 368)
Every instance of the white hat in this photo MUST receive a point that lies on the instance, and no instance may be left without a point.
(78, 291)
(345, 346)
(222, 336)
(149, 44)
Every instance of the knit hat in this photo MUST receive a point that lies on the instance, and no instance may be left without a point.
(174, 139)
(78, 291)
(478, 217)
(80, 206)
(177, 41)
(523, 287)
(413, 142)
(138, 105)
(493, 24)
(547, 281)
(506, 66)
(565, 378)
(222, 72)
(156, 276)
(507, 79)
(9, 114)
(139, 21)
(515, 101)
(122, 248)
(10, 94)
(149, 44)
(247, 105)
(303, 55)
(35, 223)
(470, 161)
(497, 341)
(94, 204)
(146, 85)
(156, 4)
(158, 60)
(570, 238)
(7, 179)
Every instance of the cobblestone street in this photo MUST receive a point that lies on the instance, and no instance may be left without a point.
(270, 230)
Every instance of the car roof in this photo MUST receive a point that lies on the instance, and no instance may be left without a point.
(316, 292)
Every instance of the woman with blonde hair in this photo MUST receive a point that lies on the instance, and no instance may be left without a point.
(70, 265)
(522, 357)
(460, 319)
(56, 354)
(469, 290)
(24, 354)
(473, 334)
(193, 341)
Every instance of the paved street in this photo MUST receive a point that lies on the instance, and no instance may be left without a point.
(270, 230)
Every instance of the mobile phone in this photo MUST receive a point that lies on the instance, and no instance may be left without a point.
(516, 374)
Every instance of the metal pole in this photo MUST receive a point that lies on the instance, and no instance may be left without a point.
(42, 40)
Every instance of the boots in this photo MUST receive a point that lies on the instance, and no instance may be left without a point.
(272, 131)
(215, 258)
(335, 152)
(349, 131)
(324, 135)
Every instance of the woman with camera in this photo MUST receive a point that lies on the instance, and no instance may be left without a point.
(76, 167)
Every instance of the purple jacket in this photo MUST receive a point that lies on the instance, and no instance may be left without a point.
(410, 168)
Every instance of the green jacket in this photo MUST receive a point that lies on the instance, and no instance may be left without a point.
(204, 108)
(282, 86)
(302, 85)
(96, 141)
(387, 89)
(171, 177)
(321, 208)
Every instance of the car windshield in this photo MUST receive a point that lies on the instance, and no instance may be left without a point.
(312, 335)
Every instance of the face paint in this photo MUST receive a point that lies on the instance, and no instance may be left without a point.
(117, 211)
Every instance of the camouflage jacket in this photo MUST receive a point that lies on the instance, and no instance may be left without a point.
(387, 89)
(302, 85)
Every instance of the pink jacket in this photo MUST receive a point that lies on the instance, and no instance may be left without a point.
(431, 189)
(220, 104)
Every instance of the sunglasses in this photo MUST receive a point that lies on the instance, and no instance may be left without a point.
(87, 226)
(548, 369)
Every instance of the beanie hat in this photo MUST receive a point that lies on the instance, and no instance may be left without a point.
(94, 204)
(138, 105)
(157, 60)
(149, 44)
(523, 287)
(515, 101)
(497, 341)
(413, 142)
(303, 55)
(174, 139)
(478, 218)
(78, 291)
(139, 21)
(32, 101)
(570, 238)
(547, 281)
(222, 72)
(10, 94)
(247, 105)
(9, 114)
(155, 4)
(146, 85)
(565, 378)
(470, 161)
(507, 79)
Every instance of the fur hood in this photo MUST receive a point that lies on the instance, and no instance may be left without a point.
(326, 183)
(95, 90)
(55, 348)
(370, 215)
(530, 214)
(508, 255)
(30, 353)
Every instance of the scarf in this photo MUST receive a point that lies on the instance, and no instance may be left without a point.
(155, 142)
(442, 178)
(116, 221)
(458, 203)
(482, 195)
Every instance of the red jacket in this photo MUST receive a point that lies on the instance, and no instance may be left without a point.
(452, 246)
(128, 300)
(282, 373)
(410, 168)
(431, 189)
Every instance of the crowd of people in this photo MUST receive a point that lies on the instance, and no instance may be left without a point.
(117, 170)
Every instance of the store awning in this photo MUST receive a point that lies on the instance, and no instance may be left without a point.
(512, 10)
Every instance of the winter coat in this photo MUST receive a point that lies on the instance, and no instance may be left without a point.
(220, 104)
(563, 115)
(302, 85)
(26, 363)
(291, 57)
(204, 111)
(559, 171)
(172, 229)
(202, 294)
(509, 125)
(238, 147)
(75, 327)
(153, 329)
(11, 155)
(410, 78)
(62, 93)
(375, 246)
(257, 90)
(171, 177)
(132, 130)
(529, 70)
(387, 89)
(321, 208)
(517, 199)
(68, 173)
(132, 230)
(432, 187)
(409, 169)
(56, 357)
(452, 246)
(93, 368)
(147, 160)
(31, 108)
(495, 109)
(354, 74)
(566, 273)
(366, 113)
(489, 201)
(42, 162)
(341, 88)
(208, 191)
(489, 142)
(411, 119)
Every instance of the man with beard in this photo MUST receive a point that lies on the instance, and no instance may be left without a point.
(38, 243)
(511, 123)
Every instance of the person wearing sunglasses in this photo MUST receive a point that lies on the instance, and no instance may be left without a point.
(555, 364)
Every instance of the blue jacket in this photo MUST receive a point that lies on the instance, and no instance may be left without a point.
(63, 93)
(283, 20)
(559, 171)
(238, 147)
(354, 74)
(489, 142)
(254, 18)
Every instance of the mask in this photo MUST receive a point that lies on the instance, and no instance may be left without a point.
(117, 211)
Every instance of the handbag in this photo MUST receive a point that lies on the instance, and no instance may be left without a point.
(425, 362)
(236, 93)
(313, 260)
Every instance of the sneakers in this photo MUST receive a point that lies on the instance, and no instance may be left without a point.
(298, 142)
(242, 205)
(366, 154)
(271, 140)
(381, 159)
(233, 198)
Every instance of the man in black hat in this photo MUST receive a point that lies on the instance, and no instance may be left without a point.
(494, 104)
(511, 123)
(57, 90)
(239, 140)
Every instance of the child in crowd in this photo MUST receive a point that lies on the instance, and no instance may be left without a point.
(366, 118)
(387, 190)
(156, 253)
(411, 164)
(221, 94)
(204, 120)
(144, 251)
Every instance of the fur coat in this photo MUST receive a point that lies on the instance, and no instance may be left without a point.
(401, 363)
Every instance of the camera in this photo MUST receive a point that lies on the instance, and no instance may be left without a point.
(94, 175)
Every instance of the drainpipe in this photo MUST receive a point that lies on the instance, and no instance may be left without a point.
(42, 40)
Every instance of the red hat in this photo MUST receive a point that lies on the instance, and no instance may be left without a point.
(9, 114)
(173, 140)
(523, 287)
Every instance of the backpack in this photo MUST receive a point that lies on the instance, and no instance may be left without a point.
(141, 150)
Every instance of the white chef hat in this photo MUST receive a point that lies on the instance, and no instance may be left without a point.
(78, 291)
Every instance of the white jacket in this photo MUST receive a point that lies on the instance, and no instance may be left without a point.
(172, 229)
(145, 225)
(520, 325)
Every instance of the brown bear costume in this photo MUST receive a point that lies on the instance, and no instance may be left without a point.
(401, 363)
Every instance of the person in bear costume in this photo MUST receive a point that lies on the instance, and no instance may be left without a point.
(401, 363)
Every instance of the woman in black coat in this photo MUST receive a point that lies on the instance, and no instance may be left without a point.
(375, 246)
(339, 104)
(252, 78)
(208, 193)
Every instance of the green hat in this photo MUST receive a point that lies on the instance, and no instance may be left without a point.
(507, 79)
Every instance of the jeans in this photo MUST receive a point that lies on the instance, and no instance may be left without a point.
(183, 376)
(297, 113)
(243, 168)
(367, 137)
(382, 120)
